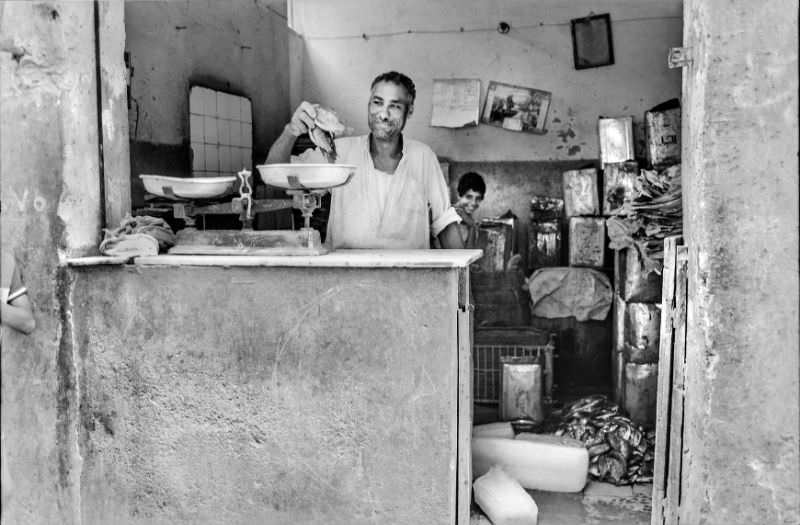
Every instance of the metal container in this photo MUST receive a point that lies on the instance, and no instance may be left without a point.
(544, 244)
(632, 282)
(619, 185)
(618, 359)
(546, 208)
(494, 238)
(641, 393)
(580, 192)
(642, 332)
(521, 388)
(587, 241)
(616, 139)
(663, 135)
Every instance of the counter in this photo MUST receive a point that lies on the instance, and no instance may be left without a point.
(286, 390)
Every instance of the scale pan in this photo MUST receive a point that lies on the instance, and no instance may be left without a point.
(187, 187)
(306, 176)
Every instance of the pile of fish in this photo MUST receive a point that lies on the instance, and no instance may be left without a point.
(655, 213)
(620, 451)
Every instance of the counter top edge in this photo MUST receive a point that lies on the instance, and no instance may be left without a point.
(336, 259)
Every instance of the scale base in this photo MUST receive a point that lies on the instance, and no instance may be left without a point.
(248, 242)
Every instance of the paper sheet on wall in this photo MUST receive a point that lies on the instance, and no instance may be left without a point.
(456, 102)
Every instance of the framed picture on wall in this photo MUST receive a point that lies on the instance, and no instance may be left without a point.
(591, 41)
(516, 108)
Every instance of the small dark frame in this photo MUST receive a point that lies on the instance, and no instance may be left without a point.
(591, 41)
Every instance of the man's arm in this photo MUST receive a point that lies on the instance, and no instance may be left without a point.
(15, 308)
(302, 121)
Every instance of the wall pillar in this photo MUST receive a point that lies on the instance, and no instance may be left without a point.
(51, 209)
(741, 223)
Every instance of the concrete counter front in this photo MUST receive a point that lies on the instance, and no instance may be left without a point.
(272, 390)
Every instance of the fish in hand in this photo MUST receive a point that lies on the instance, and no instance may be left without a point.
(327, 127)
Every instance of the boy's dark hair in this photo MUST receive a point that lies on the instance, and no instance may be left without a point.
(471, 181)
(397, 78)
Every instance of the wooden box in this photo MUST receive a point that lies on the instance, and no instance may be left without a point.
(587, 241)
(580, 192)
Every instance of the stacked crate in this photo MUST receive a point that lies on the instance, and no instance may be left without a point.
(587, 229)
(637, 293)
(637, 322)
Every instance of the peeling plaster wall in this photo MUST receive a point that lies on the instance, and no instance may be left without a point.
(51, 209)
(238, 46)
(340, 64)
(741, 219)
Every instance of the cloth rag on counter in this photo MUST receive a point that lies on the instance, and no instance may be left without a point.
(564, 292)
(138, 236)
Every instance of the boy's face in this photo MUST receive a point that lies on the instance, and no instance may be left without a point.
(469, 201)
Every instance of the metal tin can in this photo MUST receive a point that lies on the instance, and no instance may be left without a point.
(633, 283)
(641, 392)
(587, 241)
(642, 332)
(616, 139)
(580, 192)
(521, 389)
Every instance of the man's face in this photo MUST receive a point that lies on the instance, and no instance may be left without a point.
(469, 201)
(388, 110)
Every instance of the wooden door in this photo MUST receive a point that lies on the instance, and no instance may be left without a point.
(669, 451)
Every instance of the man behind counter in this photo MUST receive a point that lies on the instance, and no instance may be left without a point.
(398, 197)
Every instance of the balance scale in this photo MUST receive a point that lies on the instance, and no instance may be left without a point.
(190, 197)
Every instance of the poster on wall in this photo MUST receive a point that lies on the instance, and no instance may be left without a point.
(516, 108)
(456, 102)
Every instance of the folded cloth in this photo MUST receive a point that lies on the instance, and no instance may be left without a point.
(566, 291)
(136, 236)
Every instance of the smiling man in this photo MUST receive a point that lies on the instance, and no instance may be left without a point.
(398, 197)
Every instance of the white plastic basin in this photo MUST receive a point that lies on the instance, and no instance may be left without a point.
(306, 176)
(187, 188)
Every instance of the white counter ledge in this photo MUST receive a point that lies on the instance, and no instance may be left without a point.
(334, 259)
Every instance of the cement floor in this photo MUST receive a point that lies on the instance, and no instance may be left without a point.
(598, 504)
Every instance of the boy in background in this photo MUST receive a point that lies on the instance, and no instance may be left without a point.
(470, 191)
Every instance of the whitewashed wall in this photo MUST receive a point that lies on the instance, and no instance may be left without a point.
(340, 62)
